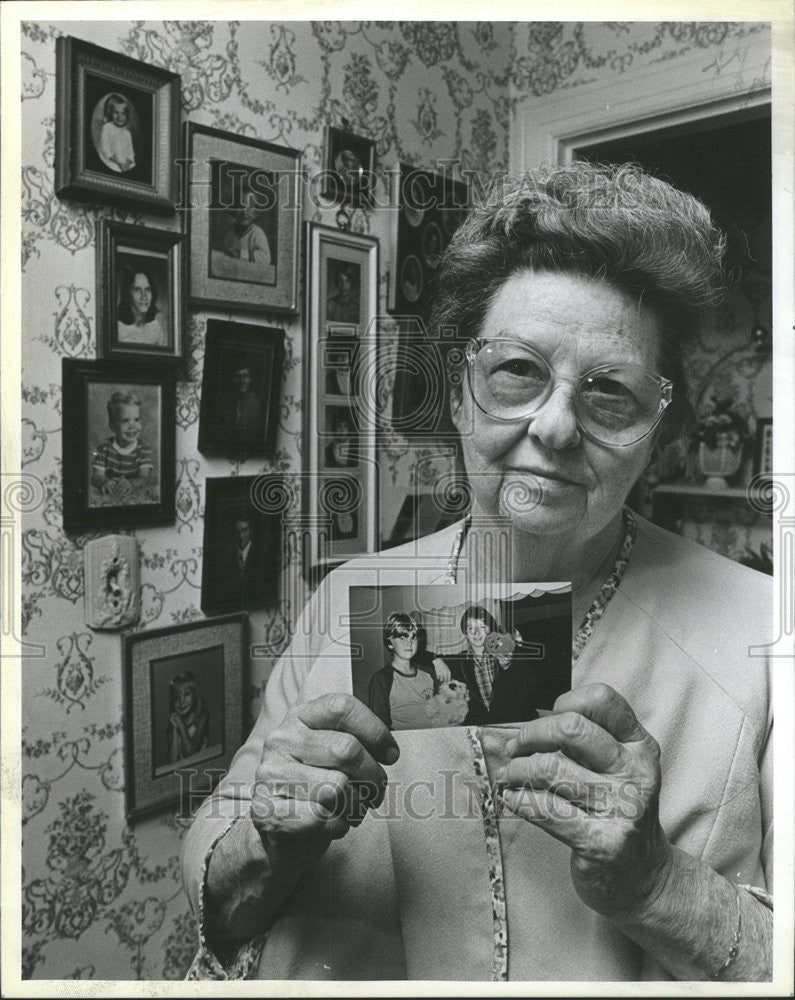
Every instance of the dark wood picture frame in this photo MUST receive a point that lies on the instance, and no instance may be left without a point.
(252, 582)
(239, 415)
(92, 391)
(134, 162)
(206, 661)
(242, 203)
(157, 250)
(348, 168)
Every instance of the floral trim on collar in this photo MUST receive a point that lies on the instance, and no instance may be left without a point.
(609, 587)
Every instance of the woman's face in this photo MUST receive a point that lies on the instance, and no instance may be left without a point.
(140, 295)
(540, 471)
(476, 633)
(405, 646)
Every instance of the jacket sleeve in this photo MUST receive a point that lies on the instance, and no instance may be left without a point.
(378, 696)
(231, 800)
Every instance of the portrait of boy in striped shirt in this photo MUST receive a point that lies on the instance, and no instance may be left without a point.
(122, 464)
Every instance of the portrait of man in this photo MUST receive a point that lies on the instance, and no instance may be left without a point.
(241, 410)
(242, 547)
(245, 559)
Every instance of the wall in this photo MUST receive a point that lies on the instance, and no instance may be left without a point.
(101, 899)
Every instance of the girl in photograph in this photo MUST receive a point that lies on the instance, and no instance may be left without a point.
(188, 718)
(115, 143)
(137, 315)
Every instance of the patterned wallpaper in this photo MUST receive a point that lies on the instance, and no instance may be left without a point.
(101, 899)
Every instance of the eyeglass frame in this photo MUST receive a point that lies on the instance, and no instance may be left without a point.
(666, 386)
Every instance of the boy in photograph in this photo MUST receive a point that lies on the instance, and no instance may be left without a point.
(122, 464)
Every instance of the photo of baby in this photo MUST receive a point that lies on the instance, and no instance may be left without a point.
(123, 464)
(422, 658)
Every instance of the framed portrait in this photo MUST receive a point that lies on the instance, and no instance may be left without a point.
(429, 207)
(763, 447)
(243, 201)
(341, 396)
(242, 544)
(116, 128)
(118, 443)
(183, 710)
(140, 292)
(348, 168)
(414, 650)
(240, 401)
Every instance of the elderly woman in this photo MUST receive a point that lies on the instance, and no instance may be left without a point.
(631, 837)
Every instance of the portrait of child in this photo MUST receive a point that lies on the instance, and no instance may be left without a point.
(116, 144)
(123, 464)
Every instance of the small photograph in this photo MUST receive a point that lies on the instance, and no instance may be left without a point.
(187, 709)
(124, 424)
(116, 128)
(242, 546)
(411, 280)
(118, 443)
(343, 295)
(143, 308)
(432, 244)
(342, 446)
(140, 291)
(344, 525)
(243, 224)
(422, 658)
(239, 412)
(119, 136)
(339, 364)
(183, 710)
(349, 168)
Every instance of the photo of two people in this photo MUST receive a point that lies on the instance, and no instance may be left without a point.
(424, 658)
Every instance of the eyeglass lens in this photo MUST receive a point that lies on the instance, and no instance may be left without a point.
(616, 404)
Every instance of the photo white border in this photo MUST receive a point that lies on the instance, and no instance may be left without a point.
(15, 487)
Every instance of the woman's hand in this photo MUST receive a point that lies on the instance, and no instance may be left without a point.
(320, 772)
(589, 774)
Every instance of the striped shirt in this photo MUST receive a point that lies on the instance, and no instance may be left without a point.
(113, 463)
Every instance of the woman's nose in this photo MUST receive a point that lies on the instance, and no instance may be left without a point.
(555, 424)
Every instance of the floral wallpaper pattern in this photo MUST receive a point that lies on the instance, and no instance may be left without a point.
(425, 91)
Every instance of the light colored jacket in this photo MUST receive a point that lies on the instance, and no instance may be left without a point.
(408, 896)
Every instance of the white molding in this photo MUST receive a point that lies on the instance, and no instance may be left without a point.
(703, 83)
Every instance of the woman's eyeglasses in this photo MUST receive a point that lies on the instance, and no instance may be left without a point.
(614, 404)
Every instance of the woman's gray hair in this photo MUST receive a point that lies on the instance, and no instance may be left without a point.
(613, 223)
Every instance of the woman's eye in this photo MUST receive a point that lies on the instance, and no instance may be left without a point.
(519, 368)
(607, 390)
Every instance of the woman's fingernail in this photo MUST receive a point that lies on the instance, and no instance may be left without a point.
(501, 774)
(391, 754)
